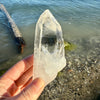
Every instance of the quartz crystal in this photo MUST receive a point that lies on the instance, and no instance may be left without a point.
(49, 55)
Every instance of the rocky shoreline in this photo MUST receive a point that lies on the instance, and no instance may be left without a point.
(80, 79)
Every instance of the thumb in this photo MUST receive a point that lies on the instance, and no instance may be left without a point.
(32, 92)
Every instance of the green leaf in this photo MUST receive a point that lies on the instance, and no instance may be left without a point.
(69, 46)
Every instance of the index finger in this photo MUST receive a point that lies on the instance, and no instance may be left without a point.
(18, 69)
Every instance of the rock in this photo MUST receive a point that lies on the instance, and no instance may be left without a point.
(49, 55)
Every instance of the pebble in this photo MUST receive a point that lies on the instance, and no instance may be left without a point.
(88, 92)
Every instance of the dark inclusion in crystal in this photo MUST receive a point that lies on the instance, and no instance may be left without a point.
(49, 40)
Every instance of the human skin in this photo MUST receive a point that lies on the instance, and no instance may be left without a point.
(17, 83)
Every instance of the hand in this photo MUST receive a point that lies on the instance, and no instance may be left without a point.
(17, 83)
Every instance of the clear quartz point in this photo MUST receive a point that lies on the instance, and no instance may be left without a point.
(49, 55)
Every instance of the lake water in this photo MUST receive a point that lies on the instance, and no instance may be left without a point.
(80, 20)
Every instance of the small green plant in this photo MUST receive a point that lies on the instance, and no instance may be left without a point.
(2, 72)
(60, 74)
(69, 46)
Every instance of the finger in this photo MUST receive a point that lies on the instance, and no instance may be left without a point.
(32, 92)
(18, 69)
(7, 89)
(28, 82)
(25, 77)
(24, 86)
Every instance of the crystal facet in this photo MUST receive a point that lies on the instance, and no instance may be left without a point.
(49, 55)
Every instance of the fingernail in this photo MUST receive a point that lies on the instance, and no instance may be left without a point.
(38, 84)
